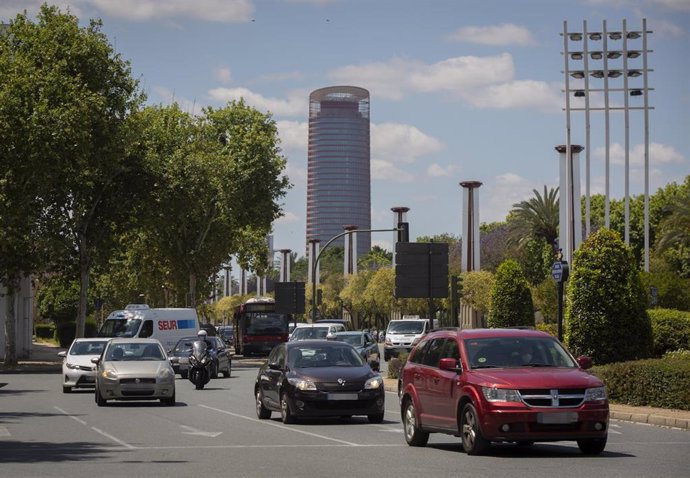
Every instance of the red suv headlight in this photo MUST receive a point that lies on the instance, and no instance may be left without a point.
(501, 394)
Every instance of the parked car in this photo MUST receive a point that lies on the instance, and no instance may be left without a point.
(222, 357)
(77, 369)
(365, 345)
(134, 369)
(501, 385)
(318, 378)
(227, 333)
(315, 331)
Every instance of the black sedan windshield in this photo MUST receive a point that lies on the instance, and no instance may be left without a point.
(331, 355)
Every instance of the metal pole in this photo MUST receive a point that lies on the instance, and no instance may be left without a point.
(587, 130)
(607, 206)
(560, 310)
(627, 133)
(646, 146)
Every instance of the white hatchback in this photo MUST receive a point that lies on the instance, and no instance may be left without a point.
(77, 369)
(315, 331)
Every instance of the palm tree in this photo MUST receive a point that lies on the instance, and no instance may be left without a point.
(675, 228)
(537, 217)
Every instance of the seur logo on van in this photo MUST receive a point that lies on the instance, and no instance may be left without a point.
(176, 324)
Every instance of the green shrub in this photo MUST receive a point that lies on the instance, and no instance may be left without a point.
(663, 383)
(606, 316)
(670, 330)
(551, 329)
(511, 299)
(45, 331)
(396, 364)
(66, 331)
(672, 291)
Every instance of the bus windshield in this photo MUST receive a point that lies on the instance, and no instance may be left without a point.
(120, 328)
(265, 323)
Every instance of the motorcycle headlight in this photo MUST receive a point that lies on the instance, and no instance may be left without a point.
(373, 383)
(501, 394)
(192, 359)
(597, 394)
(302, 384)
(109, 374)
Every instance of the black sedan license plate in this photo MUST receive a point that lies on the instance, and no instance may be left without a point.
(342, 396)
(557, 418)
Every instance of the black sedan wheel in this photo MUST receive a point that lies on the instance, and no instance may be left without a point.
(472, 440)
(414, 436)
(228, 372)
(261, 411)
(214, 370)
(285, 413)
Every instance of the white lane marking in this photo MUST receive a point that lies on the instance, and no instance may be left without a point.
(194, 431)
(265, 422)
(615, 432)
(4, 432)
(230, 447)
(116, 440)
(107, 435)
(76, 419)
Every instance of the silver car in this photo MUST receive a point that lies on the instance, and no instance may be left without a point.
(77, 369)
(134, 369)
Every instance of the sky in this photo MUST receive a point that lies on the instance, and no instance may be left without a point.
(460, 90)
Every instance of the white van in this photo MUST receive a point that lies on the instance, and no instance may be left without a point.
(402, 335)
(168, 325)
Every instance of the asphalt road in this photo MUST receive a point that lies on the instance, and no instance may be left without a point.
(215, 432)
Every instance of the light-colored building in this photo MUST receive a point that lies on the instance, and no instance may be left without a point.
(24, 325)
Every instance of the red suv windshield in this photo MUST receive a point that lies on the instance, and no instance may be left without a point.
(501, 352)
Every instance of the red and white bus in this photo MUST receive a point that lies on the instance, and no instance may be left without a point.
(258, 327)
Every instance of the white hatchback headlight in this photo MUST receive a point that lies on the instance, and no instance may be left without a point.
(595, 394)
(501, 394)
(302, 384)
(71, 366)
(373, 383)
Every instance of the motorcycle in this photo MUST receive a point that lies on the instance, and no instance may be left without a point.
(200, 362)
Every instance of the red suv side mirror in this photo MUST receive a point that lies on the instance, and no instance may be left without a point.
(584, 362)
(448, 364)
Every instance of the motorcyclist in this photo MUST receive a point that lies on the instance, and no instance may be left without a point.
(202, 336)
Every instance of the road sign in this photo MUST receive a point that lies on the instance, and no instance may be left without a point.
(560, 271)
(421, 270)
(289, 297)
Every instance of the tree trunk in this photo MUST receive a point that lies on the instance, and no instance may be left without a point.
(83, 289)
(192, 290)
(11, 320)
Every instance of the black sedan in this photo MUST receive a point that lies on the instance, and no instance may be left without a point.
(364, 343)
(318, 378)
(222, 358)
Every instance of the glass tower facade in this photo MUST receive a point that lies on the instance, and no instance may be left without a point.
(338, 176)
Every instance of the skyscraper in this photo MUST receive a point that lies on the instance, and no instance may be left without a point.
(339, 177)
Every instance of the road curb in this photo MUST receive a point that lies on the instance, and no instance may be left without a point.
(651, 419)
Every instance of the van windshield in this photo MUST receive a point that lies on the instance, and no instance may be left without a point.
(406, 327)
(120, 328)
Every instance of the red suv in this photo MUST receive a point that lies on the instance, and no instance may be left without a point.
(501, 385)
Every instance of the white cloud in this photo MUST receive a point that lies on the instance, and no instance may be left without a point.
(498, 35)
(293, 135)
(224, 75)
(288, 218)
(168, 96)
(658, 154)
(225, 11)
(387, 171)
(498, 196)
(297, 103)
(394, 142)
(483, 82)
(436, 170)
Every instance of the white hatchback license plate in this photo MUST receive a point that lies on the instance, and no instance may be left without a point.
(557, 418)
(342, 396)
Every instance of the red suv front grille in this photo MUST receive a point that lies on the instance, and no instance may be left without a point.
(553, 398)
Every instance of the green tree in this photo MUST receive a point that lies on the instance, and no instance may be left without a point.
(606, 315)
(511, 299)
(476, 290)
(375, 259)
(66, 97)
(219, 177)
(537, 217)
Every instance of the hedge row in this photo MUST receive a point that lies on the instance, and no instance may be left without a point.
(66, 332)
(670, 330)
(663, 383)
(45, 331)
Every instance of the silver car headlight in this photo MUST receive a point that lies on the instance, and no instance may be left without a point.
(109, 374)
(302, 384)
(501, 394)
(597, 394)
(373, 383)
(165, 375)
(71, 366)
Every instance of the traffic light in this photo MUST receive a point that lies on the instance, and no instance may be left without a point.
(319, 296)
(455, 295)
